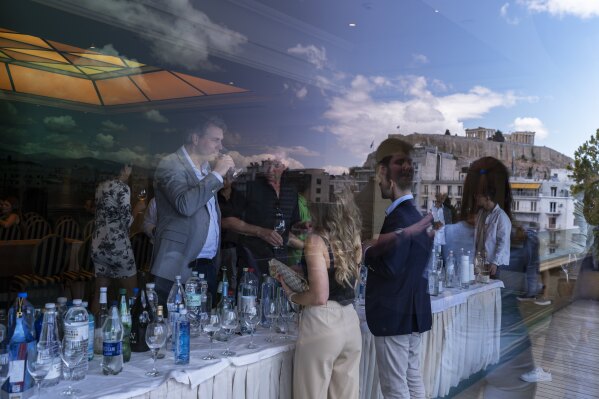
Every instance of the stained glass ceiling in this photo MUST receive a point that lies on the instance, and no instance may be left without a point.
(42, 71)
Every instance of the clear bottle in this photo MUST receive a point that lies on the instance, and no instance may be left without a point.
(140, 318)
(193, 297)
(267, 296)
(450, 271)
(132, 299)
(206, 297)
(21, 340)
(176, 297)
(464, 263)
(92, 330)
(3, 344)
(100, 318)
(112, 343)
(223, 286)
(433, 276)
(242, 282)
(126, 322)
(441, 273)
(37, 325)
(182, 335)
(61, 310)
(471, 273)
(49, 344)
(152, 298)
(76, 328)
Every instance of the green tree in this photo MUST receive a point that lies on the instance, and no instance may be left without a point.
(447, 132)
(586, 175)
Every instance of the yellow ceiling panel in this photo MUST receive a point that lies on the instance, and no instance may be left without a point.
(36, 41)
(133, 64)
(2, 55)
(51, 55)
(109, 59)
(90, 71)
(62, 67)
(108, 69)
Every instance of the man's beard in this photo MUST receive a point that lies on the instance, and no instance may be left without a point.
(404, 180)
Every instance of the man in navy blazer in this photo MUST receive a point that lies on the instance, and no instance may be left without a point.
(188, 226)
(398, 307)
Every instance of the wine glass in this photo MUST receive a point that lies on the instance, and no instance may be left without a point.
(287, 315)
(211, 328)
(251, 316)
(271, 313)
(39, 363)
(156, 333)
(71, 353)
(279, 226)
(229, 323)
(233, 173)
(143, 194)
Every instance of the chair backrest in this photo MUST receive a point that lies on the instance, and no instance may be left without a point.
(88, 230)
(31, 216)
(85, 255)
(11, 233)
(50, 256)
(37, 229)
(142, 251)
(68, 228)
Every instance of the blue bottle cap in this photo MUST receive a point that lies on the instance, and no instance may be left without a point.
(22, 295)
(135, 291)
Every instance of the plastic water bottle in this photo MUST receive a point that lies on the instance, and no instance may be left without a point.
(176, 297)
(92, 331)
(37, 325)
(182, 327)
(27, 313)
(126, 322)
(132, 299)
(49, 344)
(112, 343)
(193, 299)
(61, 310)
(21, 341)
(205, 295)
(100, 318)
(76, 328)
(152, 298)
(267, 296)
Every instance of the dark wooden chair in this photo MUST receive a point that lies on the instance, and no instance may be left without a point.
(31, 216)
(11, 233)
(50, 260)
(77, 280)
(37, 229)
(142, 251)
(88, 230)
(68, 228)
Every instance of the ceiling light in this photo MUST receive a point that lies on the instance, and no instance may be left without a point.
(352, 24)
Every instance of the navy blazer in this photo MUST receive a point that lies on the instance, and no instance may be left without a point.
(396, 299)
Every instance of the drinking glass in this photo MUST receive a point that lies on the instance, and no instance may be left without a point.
(271, 313)
(233, 172)
(572, 259)
(251, 316)
(156, 333)
(229, 323)
(211, 328)
(39, 364)
(287, 315)
(279, 226)
(71, 353)
(143, 194)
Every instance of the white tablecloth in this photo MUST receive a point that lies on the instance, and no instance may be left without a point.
(464, 339)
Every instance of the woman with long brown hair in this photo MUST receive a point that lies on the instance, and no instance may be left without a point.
(327, 356)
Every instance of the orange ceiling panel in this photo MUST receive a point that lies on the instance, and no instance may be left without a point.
(48, 84)
(4, 80)
(119, 91)
(13, 44)
(18, 37)
(164, 85)
(66, 47)
(60, 67)
(107, 59)
(50, 55)
(208, 86)
(24, 57)
(76, 60)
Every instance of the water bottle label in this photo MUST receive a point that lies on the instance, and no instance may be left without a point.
(112, 348)
(247, 302)
(55, 371)
(76, 331)
(16, 371)
(194, 300)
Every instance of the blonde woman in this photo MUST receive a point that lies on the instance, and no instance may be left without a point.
(327, 356)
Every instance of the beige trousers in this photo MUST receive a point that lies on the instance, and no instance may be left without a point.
(327, 354)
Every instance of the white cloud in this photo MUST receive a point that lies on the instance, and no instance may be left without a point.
(63, 124)
(579, 8)
(302, 92)
(314, 55)
(155, 116)
(105, 141)
(419, 59)
(358, 116)
(529, 124)
(283, 152)
(178, 33)
(504, 12)
(335, 170)
(242, 161)
(114, 127)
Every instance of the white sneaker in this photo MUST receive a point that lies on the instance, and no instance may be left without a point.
(536, 375)
(543, 302)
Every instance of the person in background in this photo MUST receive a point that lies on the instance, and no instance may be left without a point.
(449, 212)
(188, 230)
(398, 307)
(439, 219)
(150, 220)
(10, 213)
(303, 189)
(327, 355)
(230, 239)
(139, 209)
(111, 250)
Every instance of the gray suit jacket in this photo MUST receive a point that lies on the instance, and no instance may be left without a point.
(183, 218)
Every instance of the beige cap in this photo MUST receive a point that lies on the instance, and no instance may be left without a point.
(391, 146)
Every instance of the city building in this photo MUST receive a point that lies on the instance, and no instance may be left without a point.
(481, 133)
(520, 137)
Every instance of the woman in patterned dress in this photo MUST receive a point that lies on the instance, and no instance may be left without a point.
(111, 248)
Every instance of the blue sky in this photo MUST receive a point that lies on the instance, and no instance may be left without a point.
(327, 90)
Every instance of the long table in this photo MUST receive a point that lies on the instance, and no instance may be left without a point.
(464, 340)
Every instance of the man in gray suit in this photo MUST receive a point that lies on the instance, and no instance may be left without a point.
(188, 228)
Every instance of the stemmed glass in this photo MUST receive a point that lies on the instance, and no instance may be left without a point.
(211, 328)
(572, 259)
(271, 313)
(71, 353)
(156, 333)
(279, 226)
(39, 363)
(143, 194)
(251, 316)
(286, 316)
(230, 322)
